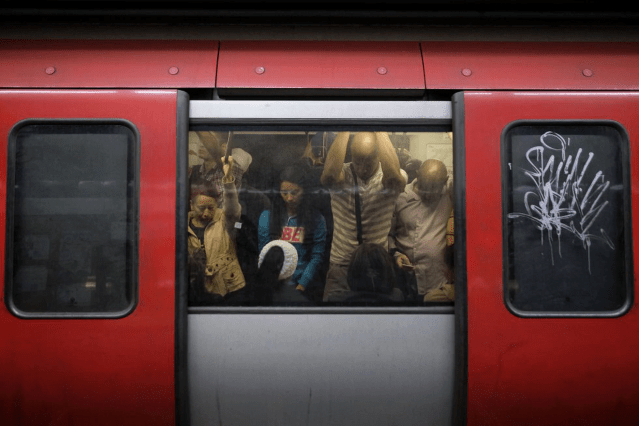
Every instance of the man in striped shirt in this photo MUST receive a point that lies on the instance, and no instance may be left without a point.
(375, 175)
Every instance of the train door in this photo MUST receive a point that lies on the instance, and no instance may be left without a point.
(89, 312)
(292, 356)
(550, 225)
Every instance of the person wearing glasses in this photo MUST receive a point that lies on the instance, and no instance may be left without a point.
(292, 218)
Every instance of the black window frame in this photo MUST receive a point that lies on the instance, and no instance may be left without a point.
(627, 232)
(133, 219)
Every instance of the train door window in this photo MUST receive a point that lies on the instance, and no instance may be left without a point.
(279, 248)
(567, 219)
(72, 218)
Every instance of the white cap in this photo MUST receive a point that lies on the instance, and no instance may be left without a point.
(242, 158)
(290, 257)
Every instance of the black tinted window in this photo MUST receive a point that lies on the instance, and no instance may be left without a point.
(71, 210)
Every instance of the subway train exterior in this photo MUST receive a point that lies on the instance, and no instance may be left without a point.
(100, 136)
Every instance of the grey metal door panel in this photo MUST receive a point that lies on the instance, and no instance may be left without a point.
(319, 369)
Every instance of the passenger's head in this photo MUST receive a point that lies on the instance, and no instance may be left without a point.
(403, 155)
(271, 264)
(292, 184)
(431, 179)
(204, 202)
(364, 154)
(278, 256)
(371, 270)
(276, 264)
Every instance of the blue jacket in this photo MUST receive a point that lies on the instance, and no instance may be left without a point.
(306, 268)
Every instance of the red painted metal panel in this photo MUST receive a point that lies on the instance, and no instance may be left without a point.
(100, 371)
(531, 66)
(526, 371)
(107, 64)
(320, 65)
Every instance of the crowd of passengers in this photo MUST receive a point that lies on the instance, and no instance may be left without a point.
(376, 230)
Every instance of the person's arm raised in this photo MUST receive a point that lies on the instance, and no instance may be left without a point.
(232, 207)
(393, 178)
(333, 173)
(211, 143)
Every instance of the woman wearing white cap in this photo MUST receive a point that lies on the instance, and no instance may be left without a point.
(277, 264)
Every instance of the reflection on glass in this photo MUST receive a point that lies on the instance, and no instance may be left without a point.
(311, 205)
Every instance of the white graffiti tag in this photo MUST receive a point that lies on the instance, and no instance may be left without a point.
(563, 200)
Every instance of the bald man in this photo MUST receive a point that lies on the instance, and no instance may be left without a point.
(418, 232)
(375, 172)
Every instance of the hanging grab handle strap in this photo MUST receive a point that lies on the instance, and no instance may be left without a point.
(228, 147)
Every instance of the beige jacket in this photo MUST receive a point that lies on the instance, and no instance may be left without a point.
(223, 273)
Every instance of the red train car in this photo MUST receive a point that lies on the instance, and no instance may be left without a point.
(100, 324)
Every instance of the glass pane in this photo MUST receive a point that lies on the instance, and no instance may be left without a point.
(73, 210)
(567, 218)
(290, 235)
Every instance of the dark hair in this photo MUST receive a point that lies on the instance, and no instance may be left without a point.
(411, 168)
(403, 158)
(371, 270)
(267, 278)
(296, 174)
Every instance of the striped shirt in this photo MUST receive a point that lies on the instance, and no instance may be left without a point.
(377, 205)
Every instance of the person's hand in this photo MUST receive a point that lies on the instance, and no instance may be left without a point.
(403, 261)
(227, 167)
(394, 183)
(300, 288)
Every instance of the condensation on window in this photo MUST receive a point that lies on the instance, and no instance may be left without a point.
(277, 223)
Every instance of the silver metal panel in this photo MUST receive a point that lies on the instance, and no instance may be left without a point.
(338, 369)
(289, 112)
